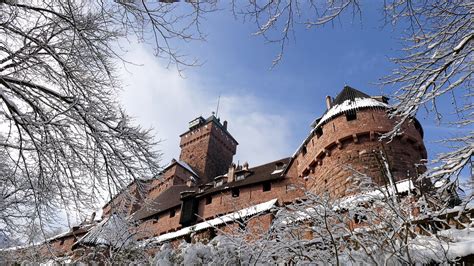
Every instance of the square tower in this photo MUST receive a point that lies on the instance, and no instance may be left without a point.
(208, 147)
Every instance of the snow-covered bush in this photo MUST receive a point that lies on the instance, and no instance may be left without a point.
(222, 250)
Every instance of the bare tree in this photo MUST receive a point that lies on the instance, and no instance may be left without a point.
(375, 225)
(437, 62)
(276, 20)
(65, 140)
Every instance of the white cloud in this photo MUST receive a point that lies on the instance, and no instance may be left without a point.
(158, 97)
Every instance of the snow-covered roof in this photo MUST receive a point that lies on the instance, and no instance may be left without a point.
(278, 171)
(112, 231)
(74, 231)
(352, 200)
(349, 201)
(350, 105)
(187, 167)
(243, 213)
(349, 99)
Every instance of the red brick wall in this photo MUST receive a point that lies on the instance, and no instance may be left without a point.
(259, 225)
(208, 150)
(175, 175)
(63, 245)
(156, 227)
(222, 203)
(356, 143)
(127, 201)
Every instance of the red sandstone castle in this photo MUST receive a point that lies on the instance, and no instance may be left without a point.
(204, 189)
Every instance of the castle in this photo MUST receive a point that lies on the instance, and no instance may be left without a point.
(204, 189)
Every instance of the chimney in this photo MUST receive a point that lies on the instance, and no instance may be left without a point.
(381, 98)
(189, 183)
(225, 125)
(328, 102)
(231, 173)
(246, 166)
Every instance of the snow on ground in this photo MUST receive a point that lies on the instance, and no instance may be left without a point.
(457, 243)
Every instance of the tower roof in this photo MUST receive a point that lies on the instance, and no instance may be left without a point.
(349, 100)
(201, 121)
(349, 93)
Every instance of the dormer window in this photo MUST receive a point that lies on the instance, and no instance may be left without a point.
(240, 176)
(219, 183)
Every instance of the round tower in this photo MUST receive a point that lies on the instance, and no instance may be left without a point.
(346, 139)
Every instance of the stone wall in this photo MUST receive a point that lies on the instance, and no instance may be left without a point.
(222, 203)
(159, 224)
(325, 158)
(208, 149)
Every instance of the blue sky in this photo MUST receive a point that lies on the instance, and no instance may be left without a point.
(269, 111)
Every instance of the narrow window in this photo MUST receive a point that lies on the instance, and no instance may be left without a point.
(304, 151)
(172, 213)
(267, 186)
(351, 116)
(208, 200)
(319, 132)
(235, 192)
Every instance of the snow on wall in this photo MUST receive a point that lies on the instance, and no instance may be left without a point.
(349, 105)
(338, 109)
(353, 200)
(255, 209)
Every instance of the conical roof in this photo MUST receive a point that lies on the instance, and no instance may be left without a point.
(349, 93)
(349, 100)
